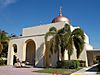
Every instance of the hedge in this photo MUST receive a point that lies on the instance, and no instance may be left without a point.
(69, 64)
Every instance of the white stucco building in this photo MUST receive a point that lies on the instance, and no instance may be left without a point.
(30, 46)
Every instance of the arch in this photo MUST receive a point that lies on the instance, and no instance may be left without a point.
(14, 51)
(30, 51)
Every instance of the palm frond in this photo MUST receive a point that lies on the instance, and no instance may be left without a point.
(49, 34)
(67, 28)
(79, 45)
(52, 29)
(78, 33)
(70, 46)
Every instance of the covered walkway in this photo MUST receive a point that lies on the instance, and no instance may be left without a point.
(93, 56)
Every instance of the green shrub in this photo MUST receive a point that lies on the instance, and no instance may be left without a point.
(69, 64)
(82, 63)
(2, 62)
(59, 64)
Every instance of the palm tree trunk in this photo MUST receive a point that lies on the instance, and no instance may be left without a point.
(47, 59)
(46, 55)
(62, 56)
(0, 55)
(68, 57)
(58, 55)
(1, 47)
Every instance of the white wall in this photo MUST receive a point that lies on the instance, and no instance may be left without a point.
(42, 29)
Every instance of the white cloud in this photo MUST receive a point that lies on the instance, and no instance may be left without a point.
(4, 3)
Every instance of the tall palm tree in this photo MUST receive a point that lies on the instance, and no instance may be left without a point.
(52, 43)
(72, 39)
(3, 38)
(78, 39)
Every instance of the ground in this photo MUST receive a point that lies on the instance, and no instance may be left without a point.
(10, 70)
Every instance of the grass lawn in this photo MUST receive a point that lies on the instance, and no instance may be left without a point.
(54, 70)
(98, 72)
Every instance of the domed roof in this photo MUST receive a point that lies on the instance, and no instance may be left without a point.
(61, 18)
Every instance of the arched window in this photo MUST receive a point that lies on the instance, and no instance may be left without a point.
(15, 48)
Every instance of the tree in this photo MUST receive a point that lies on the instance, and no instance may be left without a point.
(13, 35)
(73, 38)
(3, 38)
(78, 38)
(51, 43)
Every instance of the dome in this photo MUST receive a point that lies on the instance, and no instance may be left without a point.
(61, 18)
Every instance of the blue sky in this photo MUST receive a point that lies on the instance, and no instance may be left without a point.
(17, 14)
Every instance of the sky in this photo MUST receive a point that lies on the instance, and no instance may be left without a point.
(18, 14)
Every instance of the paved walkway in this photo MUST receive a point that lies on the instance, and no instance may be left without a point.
(10, 70)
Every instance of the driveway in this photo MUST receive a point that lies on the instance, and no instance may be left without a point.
(10, 70)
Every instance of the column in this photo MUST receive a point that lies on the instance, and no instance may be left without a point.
(24, 53)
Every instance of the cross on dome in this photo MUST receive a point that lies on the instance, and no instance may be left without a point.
(60, 14)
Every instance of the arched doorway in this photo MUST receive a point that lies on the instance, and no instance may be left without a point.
(15, 51)
(30, 52)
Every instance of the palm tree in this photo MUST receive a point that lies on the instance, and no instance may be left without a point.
(52, 44)
(78, 39)
(71, 40)
(3, 38)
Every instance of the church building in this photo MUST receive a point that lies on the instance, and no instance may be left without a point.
(30, 47)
